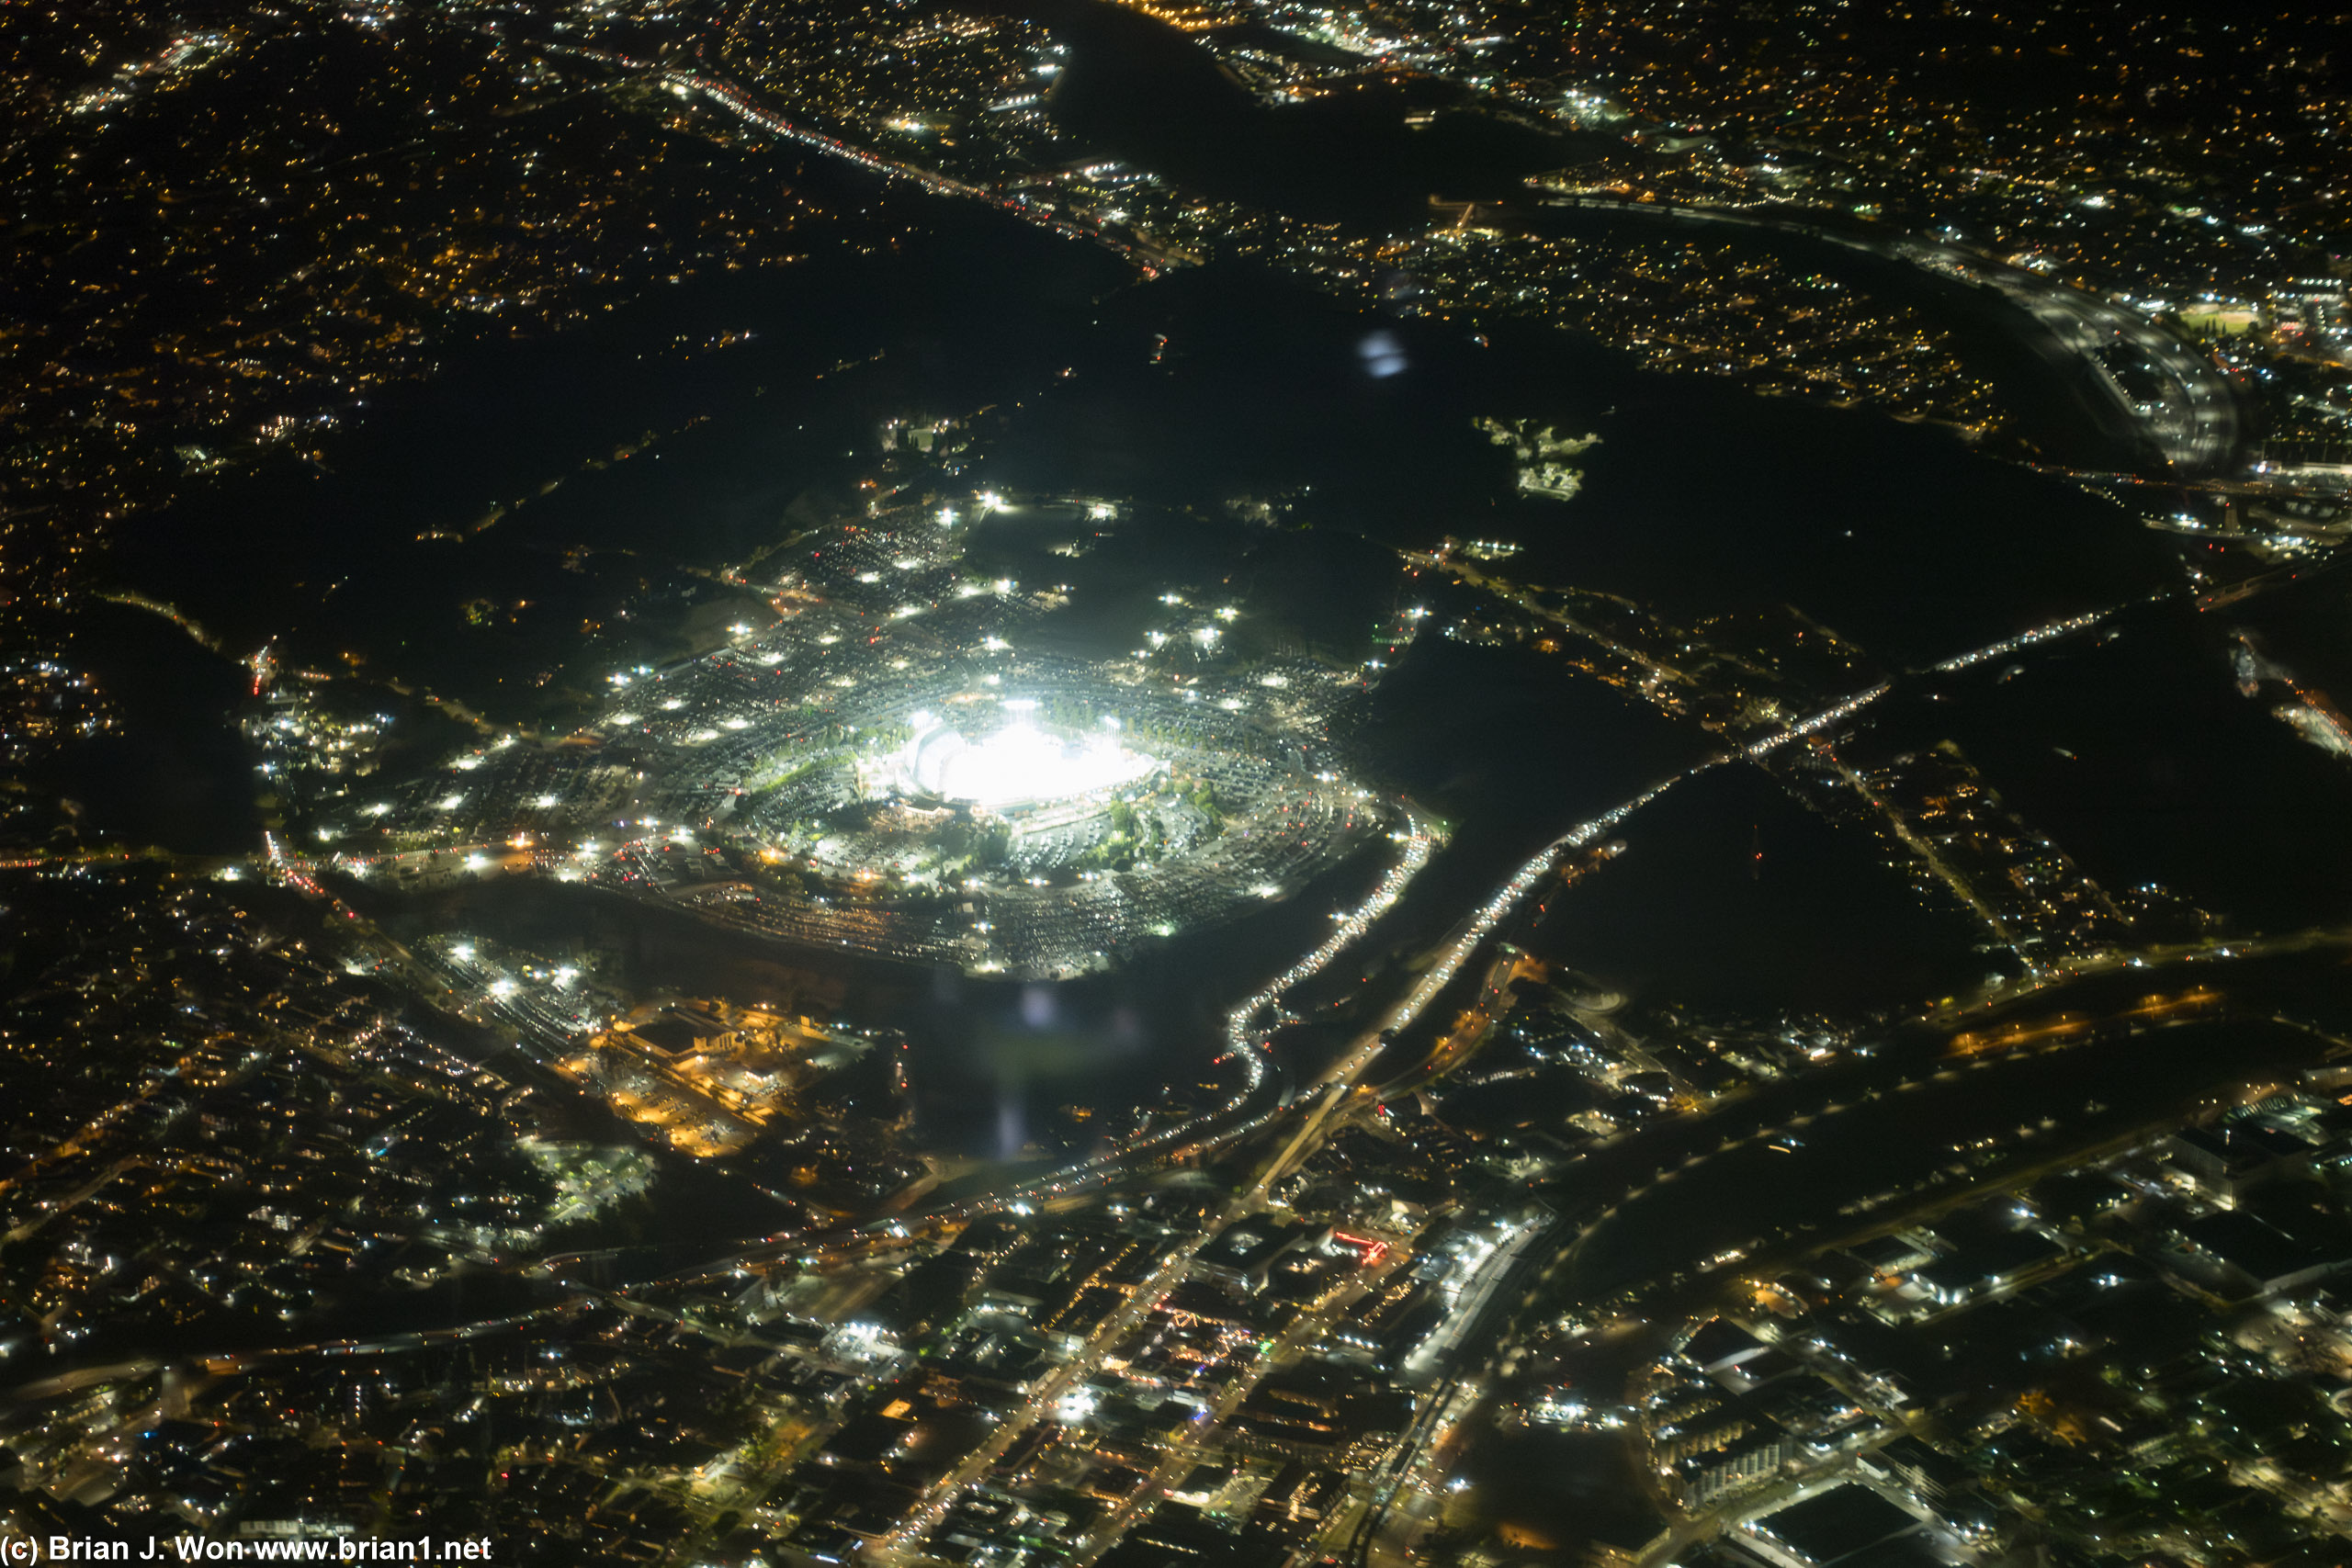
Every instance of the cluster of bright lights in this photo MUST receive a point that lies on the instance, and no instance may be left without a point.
(1019, 762)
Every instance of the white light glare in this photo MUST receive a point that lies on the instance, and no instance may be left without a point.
(1020, 762)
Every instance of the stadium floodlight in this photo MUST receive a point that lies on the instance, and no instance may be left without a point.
(1020, 764)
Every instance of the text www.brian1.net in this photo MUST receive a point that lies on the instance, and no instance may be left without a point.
(23, 1550)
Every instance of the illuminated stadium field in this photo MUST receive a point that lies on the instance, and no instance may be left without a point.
(887, 769)
(1041, 834)
(1018, 763)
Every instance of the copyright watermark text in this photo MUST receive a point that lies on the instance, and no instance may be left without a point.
(29, 1551)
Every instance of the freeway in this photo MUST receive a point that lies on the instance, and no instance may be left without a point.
(1784, 1171)
(1340, 1083)
(1389, 1510)
(740, 101)
(735, 99)
(2193, 423)
(1662, 674)
(1245, 1041)
(1339, 1087)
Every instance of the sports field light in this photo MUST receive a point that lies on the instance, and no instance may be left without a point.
(1020, 762)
